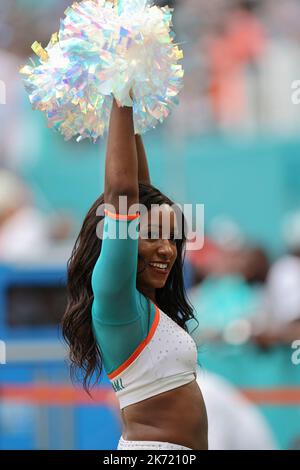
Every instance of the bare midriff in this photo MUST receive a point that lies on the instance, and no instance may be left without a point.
(177, 416)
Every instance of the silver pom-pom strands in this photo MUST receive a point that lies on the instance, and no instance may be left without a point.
(104, 48)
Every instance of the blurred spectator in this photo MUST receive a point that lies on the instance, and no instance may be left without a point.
(229, 277)
(226, 252)
(238, 45)
(251, 263)
(24, 21)
(22, 228)
(11, 133)
(26, 233)
(205, 261)
(21, 23)
(241, 57)
(234, 422)
(280, 323)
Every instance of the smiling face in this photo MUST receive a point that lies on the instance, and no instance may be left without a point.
(157, 249)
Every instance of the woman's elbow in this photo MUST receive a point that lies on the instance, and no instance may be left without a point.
(118, 195)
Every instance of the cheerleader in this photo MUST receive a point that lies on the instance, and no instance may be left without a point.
(127, 308)
(115, 65)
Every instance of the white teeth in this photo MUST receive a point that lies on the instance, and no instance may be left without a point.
(159, 265)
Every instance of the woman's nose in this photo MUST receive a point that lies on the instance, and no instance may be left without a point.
(165, 247)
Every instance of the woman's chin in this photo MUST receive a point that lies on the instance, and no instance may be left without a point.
(158, 284)
(151, 283)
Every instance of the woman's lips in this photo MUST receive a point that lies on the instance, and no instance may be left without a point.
(160, 271)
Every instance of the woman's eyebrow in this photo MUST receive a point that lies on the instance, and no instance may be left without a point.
(172, 229)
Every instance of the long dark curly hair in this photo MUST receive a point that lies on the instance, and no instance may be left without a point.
(85, 355)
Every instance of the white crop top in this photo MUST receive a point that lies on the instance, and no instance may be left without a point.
(165, 360)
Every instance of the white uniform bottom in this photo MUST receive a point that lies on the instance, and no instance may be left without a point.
(148, 445)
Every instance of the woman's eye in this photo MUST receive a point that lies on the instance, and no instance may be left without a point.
(151, 235)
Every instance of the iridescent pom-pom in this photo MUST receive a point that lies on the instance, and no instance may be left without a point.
(103, 49)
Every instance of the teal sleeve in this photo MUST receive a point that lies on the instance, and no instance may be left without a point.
(114, 274)
(121, 315)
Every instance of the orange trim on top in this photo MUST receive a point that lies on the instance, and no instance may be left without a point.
(114, 216)
(139, 349)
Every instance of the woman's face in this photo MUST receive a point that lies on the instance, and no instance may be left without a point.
(157, 248)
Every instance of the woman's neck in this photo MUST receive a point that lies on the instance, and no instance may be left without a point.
(150, 293)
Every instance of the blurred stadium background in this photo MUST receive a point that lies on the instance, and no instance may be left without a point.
(233, 145)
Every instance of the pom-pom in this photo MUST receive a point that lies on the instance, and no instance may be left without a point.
(124, 49)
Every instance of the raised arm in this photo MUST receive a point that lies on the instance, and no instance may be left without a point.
(115, 271)
(143, 170)
(121, 169)
(119, 317)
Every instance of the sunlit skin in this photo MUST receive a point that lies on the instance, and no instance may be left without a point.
(161, 248)
(177, 416)
(185, 422)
